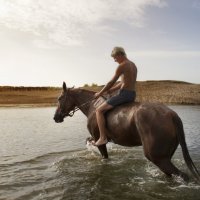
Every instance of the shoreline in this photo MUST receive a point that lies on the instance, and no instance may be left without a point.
(47, 105)
(39, 105)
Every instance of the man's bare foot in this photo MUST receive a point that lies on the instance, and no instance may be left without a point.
(100, 142)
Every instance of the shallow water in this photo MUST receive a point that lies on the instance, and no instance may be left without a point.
(40, 159)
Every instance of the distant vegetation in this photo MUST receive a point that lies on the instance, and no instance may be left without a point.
(93, 87)
(22, 88)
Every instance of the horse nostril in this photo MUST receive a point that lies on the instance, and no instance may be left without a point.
(55, 118)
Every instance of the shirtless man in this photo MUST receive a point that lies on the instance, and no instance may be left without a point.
(127, 71)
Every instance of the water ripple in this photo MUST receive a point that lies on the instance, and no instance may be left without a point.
(46, 161)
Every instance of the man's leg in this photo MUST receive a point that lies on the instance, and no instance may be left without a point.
(101, 123)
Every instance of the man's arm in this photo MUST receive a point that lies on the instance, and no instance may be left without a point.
(111, 82)
(115, 87)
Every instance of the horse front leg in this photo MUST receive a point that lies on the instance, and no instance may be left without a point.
(103, 151)
(102, 148)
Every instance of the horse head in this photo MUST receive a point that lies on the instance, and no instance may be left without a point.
(65, 104)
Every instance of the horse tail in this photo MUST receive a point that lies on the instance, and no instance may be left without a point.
(181, 138)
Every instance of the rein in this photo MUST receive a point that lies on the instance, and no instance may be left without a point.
(76, 108)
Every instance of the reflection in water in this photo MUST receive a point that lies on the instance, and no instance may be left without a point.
(190, 116)
(40, 159)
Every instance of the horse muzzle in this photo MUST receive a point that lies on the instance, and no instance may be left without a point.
(58, 118)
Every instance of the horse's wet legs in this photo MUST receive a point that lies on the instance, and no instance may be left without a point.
(166, 166)
(103, 151)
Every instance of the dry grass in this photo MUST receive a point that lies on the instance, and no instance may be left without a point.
(43, 96)
(170, 92)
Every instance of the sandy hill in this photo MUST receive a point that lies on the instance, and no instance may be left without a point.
(169, 92)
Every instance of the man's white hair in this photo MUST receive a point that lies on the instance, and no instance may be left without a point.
(118, 51)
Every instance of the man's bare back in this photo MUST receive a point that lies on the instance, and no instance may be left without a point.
(128, 76)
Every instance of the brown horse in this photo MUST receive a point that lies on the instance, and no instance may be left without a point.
(154, 126)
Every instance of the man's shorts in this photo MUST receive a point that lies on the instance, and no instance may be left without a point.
(124, 96)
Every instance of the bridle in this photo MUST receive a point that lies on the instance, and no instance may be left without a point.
(76, 108)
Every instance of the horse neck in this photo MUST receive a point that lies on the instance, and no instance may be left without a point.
(83, 99)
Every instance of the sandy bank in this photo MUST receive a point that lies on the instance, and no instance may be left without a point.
(169, 92)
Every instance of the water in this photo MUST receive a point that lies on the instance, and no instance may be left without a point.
(40, 159)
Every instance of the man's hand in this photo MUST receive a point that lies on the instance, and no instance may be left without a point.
(97, 95)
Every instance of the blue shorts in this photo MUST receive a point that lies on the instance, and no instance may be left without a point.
(124, 96)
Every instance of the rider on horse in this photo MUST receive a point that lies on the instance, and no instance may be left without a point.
(127, 71)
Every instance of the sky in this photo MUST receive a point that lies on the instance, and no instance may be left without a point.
(46, 42)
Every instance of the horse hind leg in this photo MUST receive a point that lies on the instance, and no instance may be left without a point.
(166, 166)
(163, 161)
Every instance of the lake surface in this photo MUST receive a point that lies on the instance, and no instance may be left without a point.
(40, 159)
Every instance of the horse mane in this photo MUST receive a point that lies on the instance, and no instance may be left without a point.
(85, 91)
(82, 94)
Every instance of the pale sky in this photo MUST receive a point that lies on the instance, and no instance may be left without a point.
(46, 42)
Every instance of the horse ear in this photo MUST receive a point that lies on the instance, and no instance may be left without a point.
(64, 86)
